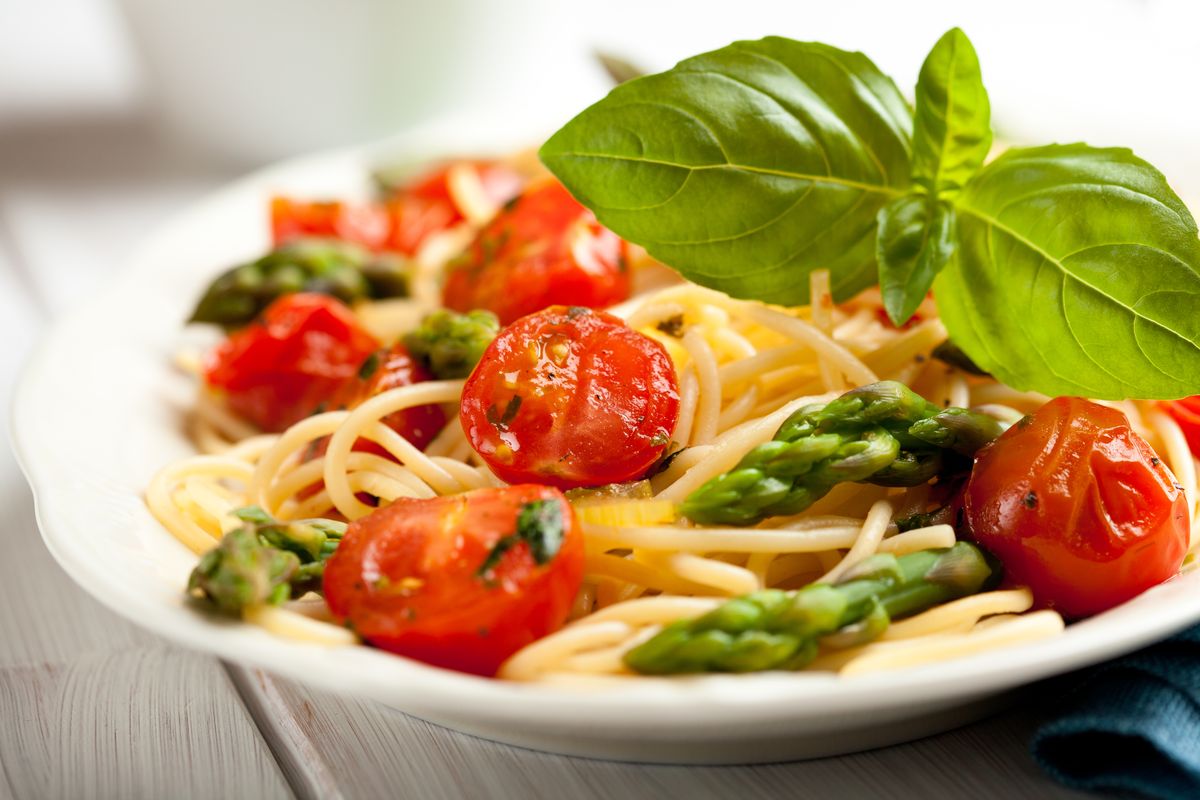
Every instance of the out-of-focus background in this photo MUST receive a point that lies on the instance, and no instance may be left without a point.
(251, 80)
(114, 114)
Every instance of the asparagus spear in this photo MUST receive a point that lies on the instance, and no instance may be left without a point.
(265, 561)
(343, 270)
(775, 629)
(451, 344)
(883, 433)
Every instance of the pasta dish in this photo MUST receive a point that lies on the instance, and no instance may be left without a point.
(551, 425)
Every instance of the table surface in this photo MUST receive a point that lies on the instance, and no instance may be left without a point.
(93, 706)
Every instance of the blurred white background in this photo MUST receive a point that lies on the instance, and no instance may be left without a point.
(255, 79)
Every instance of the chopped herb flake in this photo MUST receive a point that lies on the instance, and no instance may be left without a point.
(672, 326)
(539, 525)
(369, 367)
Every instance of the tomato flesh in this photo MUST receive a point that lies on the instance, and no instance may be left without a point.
(427, 205)
(390, 369)
(285, 365)
(366, 224)
(544, 249)
(408, 579)
(1078, 507)
(571, 397)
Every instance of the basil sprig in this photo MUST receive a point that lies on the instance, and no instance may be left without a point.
(1065, 269)
(951, 137)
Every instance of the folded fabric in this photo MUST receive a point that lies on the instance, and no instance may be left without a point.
(1131, 726)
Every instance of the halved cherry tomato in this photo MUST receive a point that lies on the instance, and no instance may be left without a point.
(431, 204)
(1078, 507)
(387, 369)
(544, 249)
(571, 397)
(282, 367)
(1187, 413)
(367, 224)
(462, 581)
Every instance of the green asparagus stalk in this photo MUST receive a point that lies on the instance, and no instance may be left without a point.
(775, 629)
(451, 344)
(883, 433)
(265, 562)
(340, 269)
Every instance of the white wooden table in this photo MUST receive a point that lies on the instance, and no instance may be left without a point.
(92, 706)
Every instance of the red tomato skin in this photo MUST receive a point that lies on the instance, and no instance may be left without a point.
(426, 205)
(395, 368)
(1186, 413)
(366, 224)
(282, 367)
(544, 249)
(598, 400)
(405, 578)
(1078, 507)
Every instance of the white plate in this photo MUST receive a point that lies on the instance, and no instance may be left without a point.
(99, 411)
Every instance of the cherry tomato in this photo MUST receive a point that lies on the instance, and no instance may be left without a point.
(1186, 412)
(429, 204)
(282, 367)
(571, 397)
(387, 369)
(462, 581)
(404, 220)
(544, 249)
(1078, 507)
(367, 224)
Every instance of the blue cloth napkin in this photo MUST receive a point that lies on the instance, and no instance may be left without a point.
(1131, 726)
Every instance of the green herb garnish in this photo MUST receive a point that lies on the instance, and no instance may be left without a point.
(1065, 269)
(540, 525)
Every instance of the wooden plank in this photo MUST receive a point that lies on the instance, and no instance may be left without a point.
(91, 705)
(373, 751)
(151, 721)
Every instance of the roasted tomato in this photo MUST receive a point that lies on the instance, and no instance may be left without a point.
(433, 202)
(390, 369)
(462, 581)
(367, 224)
(1078, 507)
(571, 397)
(285, 365)
(544, 249)
(1186, 412)
(445, 197)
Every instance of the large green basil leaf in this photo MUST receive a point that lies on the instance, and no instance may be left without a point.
(952, 130)
(1077, 272)
(746, 167)
(915, 241)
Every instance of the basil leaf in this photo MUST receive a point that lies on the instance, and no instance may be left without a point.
(952, 118)
(746, 167)
(916, 239)
(1077, 272)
